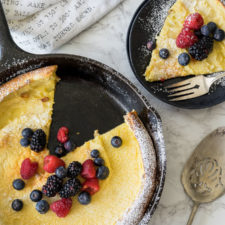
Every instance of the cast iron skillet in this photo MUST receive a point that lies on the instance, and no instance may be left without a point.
(90, 95)
(144, 26)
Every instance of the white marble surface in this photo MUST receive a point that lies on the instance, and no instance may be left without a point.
(183, 129)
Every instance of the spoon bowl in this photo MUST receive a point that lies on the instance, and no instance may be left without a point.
(203, 174)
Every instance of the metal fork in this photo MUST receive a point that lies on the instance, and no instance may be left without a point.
(193, 87)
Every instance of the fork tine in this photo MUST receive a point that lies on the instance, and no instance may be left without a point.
(185, 97)
(182, 83)
(184, 92)
(179, 88)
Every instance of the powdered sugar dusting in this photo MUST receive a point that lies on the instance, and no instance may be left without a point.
(135, 213)
(154, 22)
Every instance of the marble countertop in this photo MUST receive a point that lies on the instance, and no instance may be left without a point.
(183, 129)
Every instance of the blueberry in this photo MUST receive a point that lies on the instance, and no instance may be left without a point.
(205, 30)
(25, 142)
(27, 133)
(183, 59)
(151, 45)
(212, 27)
(164, 53)
(17, 205)
(61, 172)
(69, 146)
(95, 153)
(84, 198)
(36, 195)
(42, 206)
(99, 162)
(18, 184)
(219, 35)
(116, 142)
(102, 172)
(60, 151)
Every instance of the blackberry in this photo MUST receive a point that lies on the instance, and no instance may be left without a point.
(52, 186)
(38, 141)
(74, 169)
(201, 49)
(70, 188)
(198, 33)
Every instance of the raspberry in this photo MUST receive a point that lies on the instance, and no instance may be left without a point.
(186, 38)
(62, 135)
(61, 207)
(51, 163)
(194, 21)
(28, 169)
(88, 170)
(91, 186)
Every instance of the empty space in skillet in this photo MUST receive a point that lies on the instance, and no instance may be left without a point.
(145, 25)
(83, 105)
(89, 98)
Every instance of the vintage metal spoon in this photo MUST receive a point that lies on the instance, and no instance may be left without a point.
(203, 175)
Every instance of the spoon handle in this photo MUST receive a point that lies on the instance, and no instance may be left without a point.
(193, 212)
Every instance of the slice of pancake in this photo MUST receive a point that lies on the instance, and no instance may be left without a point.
(123, 197)
(25, 101)
(160, 69)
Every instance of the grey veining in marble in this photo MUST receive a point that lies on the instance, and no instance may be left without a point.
(183, 129)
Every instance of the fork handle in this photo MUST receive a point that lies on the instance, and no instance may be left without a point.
(214, 79)
(193, 212)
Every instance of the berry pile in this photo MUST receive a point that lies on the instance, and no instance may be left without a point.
(36, 140)
(197, 38)
(65, 181)
(65, 145)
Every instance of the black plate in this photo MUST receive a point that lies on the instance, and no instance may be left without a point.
(141, 30)
(89, 96)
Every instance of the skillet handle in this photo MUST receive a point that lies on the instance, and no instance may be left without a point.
(8, 49)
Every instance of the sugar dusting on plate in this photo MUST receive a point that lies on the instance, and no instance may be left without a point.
(153, 23)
